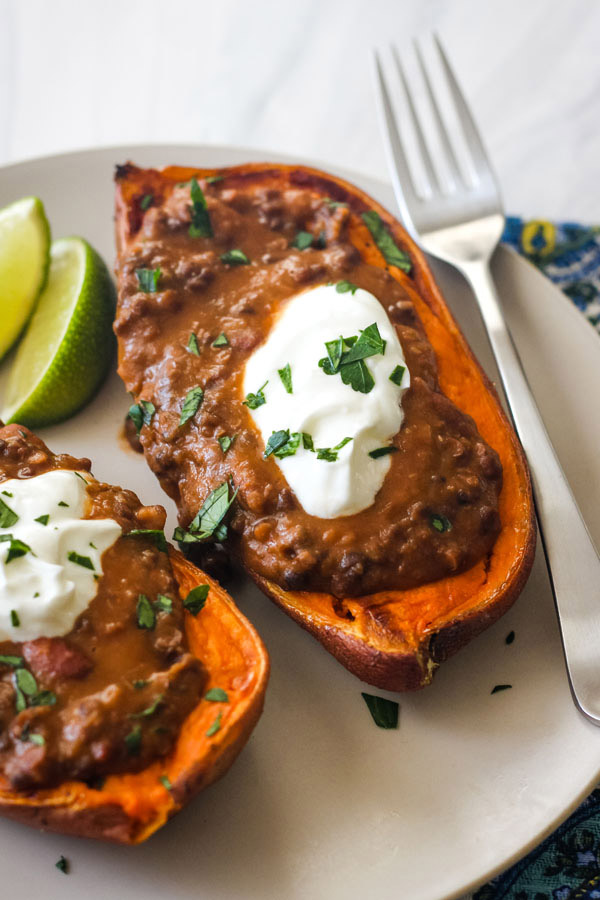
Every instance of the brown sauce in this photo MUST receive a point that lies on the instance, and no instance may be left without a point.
(120, 692)
(444, 470)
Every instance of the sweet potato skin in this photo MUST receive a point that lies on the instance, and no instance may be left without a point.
(395, 639)
(129, 808)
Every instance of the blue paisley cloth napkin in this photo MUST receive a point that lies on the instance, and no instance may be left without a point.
(566, 866)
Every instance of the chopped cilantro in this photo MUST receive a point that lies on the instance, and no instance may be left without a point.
(253, 401)
(150, 710)
(209, 524)
(26, 682)
(146, 201)
(146, 617)
(14, 661)
(440, 523)
(7, 516)
(385, 242)
(148, 279)
(14, 618)
(225, 442)
(195, 600)
(500, 687)
(213, 179)
(342, 287)
(133, 740)
(221, 341)
(382, 451)
(141, 414)
(235, 258)
(216, 695)
(16, 549)
(164, 780)
(383, 711)
(84, 561)
(216, 725)
(163, 603)
(330, 454)
(303, 240)
(191, 404)
(62, 865)
(192, 345)
(200, 225)
(347, 355)
(286, 378)
(62, 503)
(398, 374)
(43, 520)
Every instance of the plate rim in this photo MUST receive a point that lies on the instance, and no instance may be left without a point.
(353, 175)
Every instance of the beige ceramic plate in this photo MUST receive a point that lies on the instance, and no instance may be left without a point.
(322, 804)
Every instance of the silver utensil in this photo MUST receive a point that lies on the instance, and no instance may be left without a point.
(460, 220)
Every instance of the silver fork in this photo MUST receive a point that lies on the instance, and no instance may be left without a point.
(461, 223)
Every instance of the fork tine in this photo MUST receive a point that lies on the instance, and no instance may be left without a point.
(427, 162)
(473, 139)
(439, 121)
(405, 190)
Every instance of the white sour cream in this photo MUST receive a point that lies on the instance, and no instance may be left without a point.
(322, 405)
(43, 589)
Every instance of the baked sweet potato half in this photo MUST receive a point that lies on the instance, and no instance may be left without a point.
(445, 547)
(111, 734)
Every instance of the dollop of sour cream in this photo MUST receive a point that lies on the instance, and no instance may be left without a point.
(50, 557)
(322, 406)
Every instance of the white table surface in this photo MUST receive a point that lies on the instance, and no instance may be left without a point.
(295, 77)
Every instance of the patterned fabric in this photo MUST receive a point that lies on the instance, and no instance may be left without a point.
(566, 866)
(567, 253)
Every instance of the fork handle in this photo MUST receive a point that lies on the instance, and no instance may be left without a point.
(573, 561)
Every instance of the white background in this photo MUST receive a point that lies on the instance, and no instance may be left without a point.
(294, 76)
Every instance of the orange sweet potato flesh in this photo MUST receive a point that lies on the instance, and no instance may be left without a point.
(396, 639)
(131, 807)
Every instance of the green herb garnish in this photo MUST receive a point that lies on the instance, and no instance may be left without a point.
(37, 739)
(43, 520)
(500, 687)
(509, 637)
(213, 179)
(216, 725)
(192, 345)
(191, 404)
(221, 341)
(163, 603)
(330, 454)
(195, 600)
(14, 618)
(150, 710)
(216, 695)
(234, 258)
(334, 204)
(62, 503)
(440, 523)
(26, 682)
(225, 442)
(253, 401)
(277, 440)
(382, 451)
(286, 377)
(16, 549)
(62, 865)
(383, 711)
(303, 240)
(7, 516)
(43, 698)
(133, 740)
(164, 780)
(347, 356)
(342, 287)
(388, 247)
(14, 661)
(146, 201)
(208, 524)
(146, 617)
(156, 534)
(200, 225)
(398, 374)
(140, 414)
(7, 493)
(148, 280)
(84, 561)
(307, 442)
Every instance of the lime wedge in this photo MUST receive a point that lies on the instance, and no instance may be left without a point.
(68, 345)
(24, 246)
